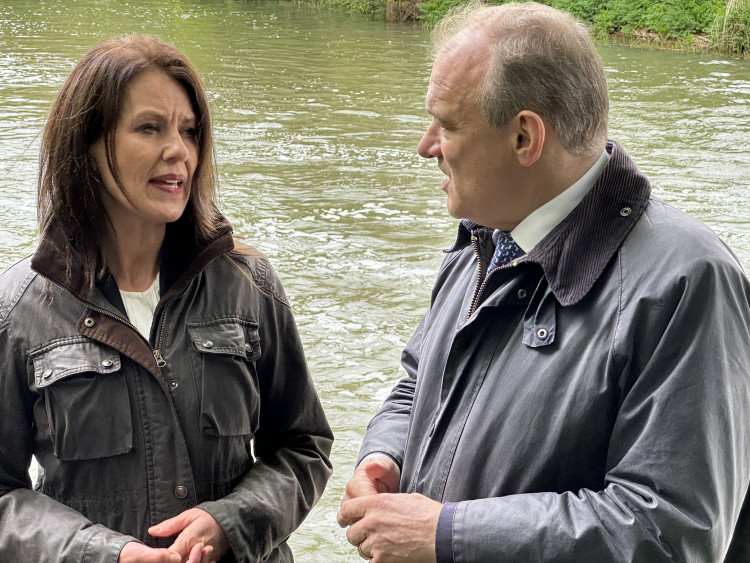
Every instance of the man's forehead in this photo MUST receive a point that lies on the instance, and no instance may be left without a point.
(458, 70)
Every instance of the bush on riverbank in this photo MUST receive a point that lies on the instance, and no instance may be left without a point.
(721, 25)
(732, 31)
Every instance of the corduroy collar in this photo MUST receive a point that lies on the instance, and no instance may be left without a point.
(182, 258)
(574, 254)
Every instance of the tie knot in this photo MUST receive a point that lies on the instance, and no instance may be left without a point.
(506, 250)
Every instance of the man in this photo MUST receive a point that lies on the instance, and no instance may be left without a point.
(584, 397)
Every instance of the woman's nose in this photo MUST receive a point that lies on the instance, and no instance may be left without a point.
(176, 148)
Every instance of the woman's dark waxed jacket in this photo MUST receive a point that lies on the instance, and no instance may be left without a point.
(217, 411)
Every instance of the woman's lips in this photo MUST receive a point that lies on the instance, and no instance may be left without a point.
(168, 181)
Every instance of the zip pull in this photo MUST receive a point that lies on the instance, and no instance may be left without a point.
(480, 275)
(159, 360)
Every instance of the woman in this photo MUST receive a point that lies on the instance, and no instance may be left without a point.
(148, 360)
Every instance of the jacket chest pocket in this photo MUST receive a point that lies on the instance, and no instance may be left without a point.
(86, 399)
(224, 366)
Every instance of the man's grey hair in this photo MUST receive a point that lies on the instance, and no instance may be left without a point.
(542, 60)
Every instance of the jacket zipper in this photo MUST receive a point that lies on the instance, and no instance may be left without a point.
(160, 361)
(157, 354)
(480, 276)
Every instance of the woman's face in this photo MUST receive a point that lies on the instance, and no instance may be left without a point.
(155, 152)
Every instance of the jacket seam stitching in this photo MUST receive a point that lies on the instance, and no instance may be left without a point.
(261, 279)
(85, 555)
(453, 528)
(243, 320)
(619, 308)
(5, 311)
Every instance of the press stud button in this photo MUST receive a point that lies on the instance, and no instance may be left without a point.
(625, 211)
(180, 491)
(522, 294)
(174, 384)
(89, 322)
(542, 333)
(207, 344)
(107, 363)
(47, 373)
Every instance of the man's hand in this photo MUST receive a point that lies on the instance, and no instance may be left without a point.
(200, 539)
(371, 477)
(391, 528)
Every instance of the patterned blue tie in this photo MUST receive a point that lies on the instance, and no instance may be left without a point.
(506, 251)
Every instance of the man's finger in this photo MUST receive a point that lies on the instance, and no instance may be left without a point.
(358, 486)
(356, 534)
(351, 511)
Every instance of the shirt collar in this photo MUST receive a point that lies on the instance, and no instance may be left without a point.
(575, 252)
(540, 222)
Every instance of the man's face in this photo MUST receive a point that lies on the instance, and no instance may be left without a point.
(477, 158)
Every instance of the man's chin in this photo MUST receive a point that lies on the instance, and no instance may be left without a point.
(453, 210)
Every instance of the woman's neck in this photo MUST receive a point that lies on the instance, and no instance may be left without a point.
(133, 258)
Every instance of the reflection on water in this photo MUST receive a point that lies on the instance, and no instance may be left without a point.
(317, 118)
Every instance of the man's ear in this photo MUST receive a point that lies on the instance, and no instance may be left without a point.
(530, 133)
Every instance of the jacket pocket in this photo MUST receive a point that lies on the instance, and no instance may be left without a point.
(86, 399)
(224, 364)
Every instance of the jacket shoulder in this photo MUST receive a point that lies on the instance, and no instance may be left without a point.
(680, 240)
(258, 270)
(13, 285)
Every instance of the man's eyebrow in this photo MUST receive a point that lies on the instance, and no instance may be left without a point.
(436, 115)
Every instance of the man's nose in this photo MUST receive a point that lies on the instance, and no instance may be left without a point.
(429, 146)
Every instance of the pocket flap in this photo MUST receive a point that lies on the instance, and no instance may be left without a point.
(57, 361)
(227, 336)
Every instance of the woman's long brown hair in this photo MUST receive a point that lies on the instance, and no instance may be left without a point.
(86, 109)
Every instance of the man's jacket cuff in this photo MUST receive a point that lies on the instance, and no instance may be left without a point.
(444, 534)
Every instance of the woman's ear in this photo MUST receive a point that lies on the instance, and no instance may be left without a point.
(530, 134)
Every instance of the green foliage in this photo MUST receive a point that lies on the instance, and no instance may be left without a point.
(671, 18)
(726, 21)
(731, 30)
(677, 18)
(430, 11)
(375, 8)
(584, 10)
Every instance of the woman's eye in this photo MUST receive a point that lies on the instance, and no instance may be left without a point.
(148, 127)
(191, 132)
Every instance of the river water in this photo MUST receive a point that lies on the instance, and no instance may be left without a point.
(318, 115)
